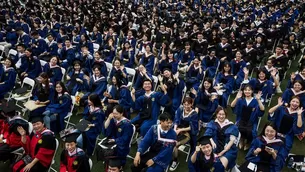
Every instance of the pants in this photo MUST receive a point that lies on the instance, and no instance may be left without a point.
(48, 118)
(5, 152)
(143, 167)
(7, 47)
(38, 167)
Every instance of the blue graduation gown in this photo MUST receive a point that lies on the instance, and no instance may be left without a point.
(288, 93)
(237, 70)
(210, 65)
(67, 54)
(108, 53)
(97, 86)
(228, 83)
(213, 129)
(73, 86)
(191, 120)
(162, 160)
(158, 99)
(148, 62)
(173, 64)
(122, 133)
(25, 39)
(131, 40)
(115, 71)
(266, 87)
(41, 46)
(8, 77)
(31, 67)
(96, 117)
(61, 106)
(186, 57)
(200, 160)
(128, 58)
(281, 118)
(54, 72)
(203, 99)
(98, 38)
(42, 96)
(277, 144)
(138, 85)
(193, 78)
(239, 111)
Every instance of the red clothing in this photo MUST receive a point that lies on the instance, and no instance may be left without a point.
(74, 162)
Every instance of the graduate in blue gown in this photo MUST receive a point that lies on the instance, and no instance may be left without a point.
(186, 127)
(8, 76)
(266, 151)
(42, 94)
(149, 106)
(206, 101)
(185, 57)
(194, 74)
(93, 113)
(168, 60)
(51, 49)
(148, 60)
(58, 108)
(127, 55)
(263, 83)
(297, 76)
(289, 121)
(161, 139)
(204, 159)
(67, 54)
(119, 130)
(119, 70)
(210, 64)
(109, 50)
(224, 139)
(53, 70)
(118, 94)
(97, 60)
(85, 42)
(30, 66)
(141, 75)
(224, 83)
(237, 66)
(76, 80)
(97, 83)
(296, 90)
(38, 44)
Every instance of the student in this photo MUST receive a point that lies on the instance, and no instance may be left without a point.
(119, 131)
(204, 159)
(53, 70)
(93, 113)
(149, 105)
(161, 139)
(8, 76)
(210, 64)
(266, 151)
(76, 79)
(30, 66)
(247, 109)
(72, 158)
(114, 165)
(39, 147)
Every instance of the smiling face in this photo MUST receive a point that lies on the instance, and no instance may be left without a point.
(207, 85)
(248, 92)
(297, 87)
(7, 63)
(70, 146)
(294, 103)
(147, 86)
(53, 61)
(58, 88)
(221, 116)
(166, 125)
(38, 126)
(270, 132)
(207, 149)
(262, 76)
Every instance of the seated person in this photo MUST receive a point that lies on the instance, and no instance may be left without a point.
(10, 138)
(161, 139)
(114, 165)
(224, 138)
(119, 131)
(8, 76)
(93, 113)
(76, 79)
(204, 158)
(39, 148)
(30, 66)
(58, 108)
(186, 127)
(72, 158)
(265, 151)
(53, 70)
(149, 106)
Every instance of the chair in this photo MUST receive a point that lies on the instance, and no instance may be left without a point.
(53, 161)
(186, 148)
(42, 62)
(10, 93)
(63, 71)
(68, 117)
(155, 82)
(27, 97)
(183, 93)
(12, 52)
(131, 74)
(90, 163)
(96, 47)
(132, 138)
(109, 68)
(2, 51)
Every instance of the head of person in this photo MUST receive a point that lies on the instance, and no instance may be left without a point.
(114, 165)
(70, 142)
(117, 63)
(60, 87)
(226, 67)
(262, 74)
(205, 145)
(295, 103)
(166, 121)
(96, 70)
(238, 55)
(94, 100)
(67, 42)
(188, 104)
(38, 124)
(248, 91)
(43, 78)
(54, 61)
(279, 50)
(20, 48)
(302, 69)
(269, 131)
(9, 63)
(28, 52)
(269, 63)
(97, 55)
(207, 84)
(297, 85)
(147, 85)
(50, 37)
(221, 114)
(118, 112)
(76, 65)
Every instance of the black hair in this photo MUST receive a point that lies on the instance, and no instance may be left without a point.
(119, 109)
(271, 124)
(95, 99)
(165, 117)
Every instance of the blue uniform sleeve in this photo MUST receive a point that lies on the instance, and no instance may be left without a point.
(147, 141)
(126, 136)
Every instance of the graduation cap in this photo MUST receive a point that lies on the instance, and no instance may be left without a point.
(71, 137)
(9, 108)
(82, 125)
(37, 119)
(167, 67)
(204, 140)
(115, 162)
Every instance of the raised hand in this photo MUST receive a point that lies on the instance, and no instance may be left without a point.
(258, 95)
(239, 94)
(280, 101)
(246, 71)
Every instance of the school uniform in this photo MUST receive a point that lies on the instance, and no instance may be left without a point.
(288, 93)
(161, 145)
(128, 58)
(54, 72)
(41, 146)
(210, 65)
(76, 161)
(73, 85)
(8, 78)
(205, 106)
(148, 61)
(228, 82)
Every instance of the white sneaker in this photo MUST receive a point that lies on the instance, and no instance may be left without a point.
(174, 166)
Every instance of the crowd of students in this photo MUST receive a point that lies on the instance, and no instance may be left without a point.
(162, 69)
